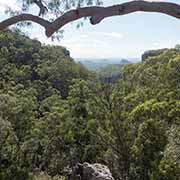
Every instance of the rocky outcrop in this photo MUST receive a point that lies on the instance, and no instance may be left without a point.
(88, 171)
(66, 52)
(152, 53)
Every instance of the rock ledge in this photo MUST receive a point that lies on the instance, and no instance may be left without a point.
(88, 171)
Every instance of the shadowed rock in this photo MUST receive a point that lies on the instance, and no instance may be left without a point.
(152, 53)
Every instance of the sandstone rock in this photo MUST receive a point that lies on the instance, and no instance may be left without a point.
(152, 53)
(88, 171)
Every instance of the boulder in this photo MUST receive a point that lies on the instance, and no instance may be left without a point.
(152, 53)
(88, 171)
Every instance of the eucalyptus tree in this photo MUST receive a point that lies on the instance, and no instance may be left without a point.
(54, 14)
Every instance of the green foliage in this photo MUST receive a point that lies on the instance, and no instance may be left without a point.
(147, 148)
(54, 113)
(81, 125)
(34, 80)
(168, 170)
(110, 73)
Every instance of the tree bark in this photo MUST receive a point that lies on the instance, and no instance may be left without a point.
(96, 14)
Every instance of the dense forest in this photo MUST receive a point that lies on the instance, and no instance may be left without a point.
(55, 113)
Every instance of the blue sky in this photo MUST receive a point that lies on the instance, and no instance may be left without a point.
(123, 36)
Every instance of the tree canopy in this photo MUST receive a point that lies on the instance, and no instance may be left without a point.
(54, 113)
(65, 11)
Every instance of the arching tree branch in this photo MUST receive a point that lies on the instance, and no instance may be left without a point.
(97, 14)
(24, 17)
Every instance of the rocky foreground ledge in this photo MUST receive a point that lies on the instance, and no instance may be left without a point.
(88, 171)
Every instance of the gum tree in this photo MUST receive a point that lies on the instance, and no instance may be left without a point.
(66, 11)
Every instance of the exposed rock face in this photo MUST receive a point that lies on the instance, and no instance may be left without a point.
(152, 53)
(88, 171)
(66, 52)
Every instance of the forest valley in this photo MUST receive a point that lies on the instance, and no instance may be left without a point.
(54, 113)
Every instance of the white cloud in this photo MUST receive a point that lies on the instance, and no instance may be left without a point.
(84, 36)
(8, 3)
(92, 35)
(73, 42)
(108, 34)
(156, 44)
(113, 34)
(156, 0)
(163, 44)
(86, 44)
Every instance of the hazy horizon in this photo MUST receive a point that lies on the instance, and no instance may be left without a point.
(120, 36)
(107, 58)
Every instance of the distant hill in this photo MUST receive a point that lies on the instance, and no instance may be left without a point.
(97, 64)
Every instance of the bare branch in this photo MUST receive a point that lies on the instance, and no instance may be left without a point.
(42, 8)
(97, 14)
